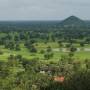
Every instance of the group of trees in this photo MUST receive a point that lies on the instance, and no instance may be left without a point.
(71, 35)
(49, 53)
(12, 46)
(19, 73)
(12, 39)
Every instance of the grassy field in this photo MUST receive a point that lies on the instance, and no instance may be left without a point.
(42, 46)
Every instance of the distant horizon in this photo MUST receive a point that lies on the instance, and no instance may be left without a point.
(41, 19)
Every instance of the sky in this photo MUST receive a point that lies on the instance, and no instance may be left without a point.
(44, 9)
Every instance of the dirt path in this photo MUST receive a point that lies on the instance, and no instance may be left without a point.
(65, 49)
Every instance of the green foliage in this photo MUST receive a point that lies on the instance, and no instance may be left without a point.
(37, 75)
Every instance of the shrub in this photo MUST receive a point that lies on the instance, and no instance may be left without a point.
(1, 52)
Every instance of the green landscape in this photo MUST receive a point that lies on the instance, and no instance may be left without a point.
(42, 40)
(82, 53)
(45, 55)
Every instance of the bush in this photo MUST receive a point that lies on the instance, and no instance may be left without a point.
(11, 57)
(73, 49)
(48, 55)
(1, 52)
(33, 49)
(49, 49)
(19, 57)
(42, 51)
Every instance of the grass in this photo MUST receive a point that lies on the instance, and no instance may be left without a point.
(82, 55)
(41, 46)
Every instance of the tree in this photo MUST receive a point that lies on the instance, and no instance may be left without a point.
(33, 49)
(49, 49)
(60, 43)
(71, 54)
(11, 57)
(17, 47)
(73, 49)
(19, 57)
(48, 55)
(68, 45)
(82, 44)
(16, 38)
(42, 51)
(75, 81)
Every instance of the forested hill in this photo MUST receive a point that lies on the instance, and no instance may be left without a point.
(73, 21)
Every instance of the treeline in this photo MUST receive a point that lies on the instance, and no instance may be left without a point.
(45, 32)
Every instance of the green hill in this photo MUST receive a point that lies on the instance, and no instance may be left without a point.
(72, 21)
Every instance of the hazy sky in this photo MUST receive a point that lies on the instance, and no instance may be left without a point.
(43, 9)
